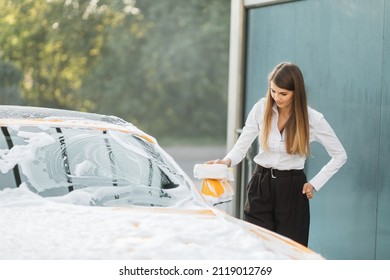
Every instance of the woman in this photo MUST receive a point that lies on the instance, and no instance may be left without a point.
(279, 193)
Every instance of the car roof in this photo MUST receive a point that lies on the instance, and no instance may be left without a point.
(28, 115)
(29, 112)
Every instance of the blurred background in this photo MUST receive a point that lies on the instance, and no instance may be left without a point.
(161, 65)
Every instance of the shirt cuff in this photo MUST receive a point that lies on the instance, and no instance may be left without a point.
(318, 181)
(235, 157)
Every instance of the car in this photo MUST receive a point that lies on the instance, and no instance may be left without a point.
(78, 185)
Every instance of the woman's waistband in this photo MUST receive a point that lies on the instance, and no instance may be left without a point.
(278, 173)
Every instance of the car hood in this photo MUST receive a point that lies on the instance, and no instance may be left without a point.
(38, 228)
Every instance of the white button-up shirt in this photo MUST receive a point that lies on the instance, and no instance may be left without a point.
(276, 156)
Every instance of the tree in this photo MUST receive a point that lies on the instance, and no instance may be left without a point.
(161, 65)
(166, 70)
(10, 78)
(55, 43)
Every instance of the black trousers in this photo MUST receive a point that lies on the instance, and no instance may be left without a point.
(275, 201)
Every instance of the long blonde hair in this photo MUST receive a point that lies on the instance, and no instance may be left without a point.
(288, 76)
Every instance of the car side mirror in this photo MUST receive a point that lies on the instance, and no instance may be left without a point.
(216, 188)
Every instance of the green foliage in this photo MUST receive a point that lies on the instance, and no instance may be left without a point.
(54, 43)
(161, 65)
(10, 78)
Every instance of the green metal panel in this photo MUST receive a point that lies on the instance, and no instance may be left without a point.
(383, 241)
(339, 47)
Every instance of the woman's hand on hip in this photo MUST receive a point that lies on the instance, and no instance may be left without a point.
(308, 189)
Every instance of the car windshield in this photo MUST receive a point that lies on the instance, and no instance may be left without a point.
(90, 166)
